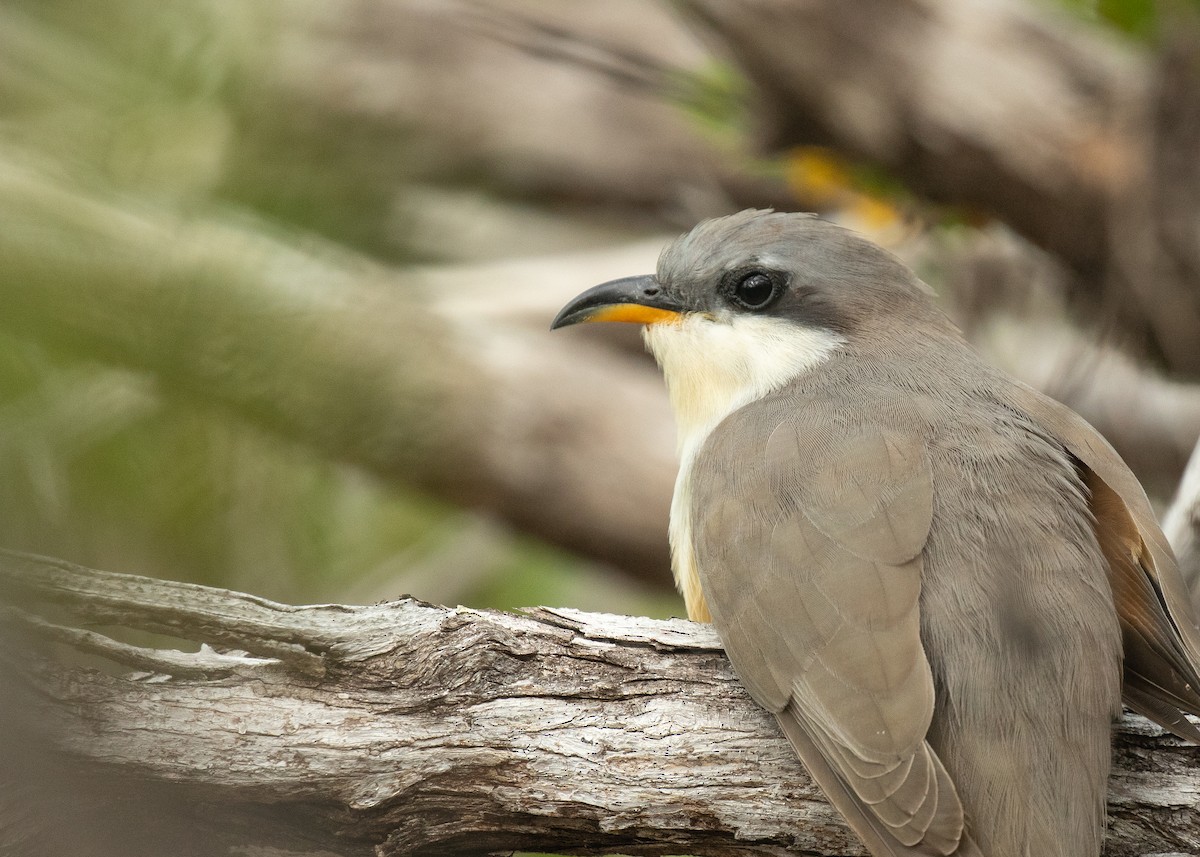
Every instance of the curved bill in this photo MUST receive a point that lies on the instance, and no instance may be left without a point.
(640, 300)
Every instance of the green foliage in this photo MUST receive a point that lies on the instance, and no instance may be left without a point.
(102, 467)
(716, 98)
(1140, 19)
(157, 103)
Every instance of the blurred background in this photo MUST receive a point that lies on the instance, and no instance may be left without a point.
(275, 278)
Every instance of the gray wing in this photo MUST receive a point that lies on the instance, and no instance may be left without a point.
(809, 541)
(1158, 623)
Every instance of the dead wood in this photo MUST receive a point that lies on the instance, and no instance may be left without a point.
(406, 728)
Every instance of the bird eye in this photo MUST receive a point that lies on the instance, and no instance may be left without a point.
(753, 291)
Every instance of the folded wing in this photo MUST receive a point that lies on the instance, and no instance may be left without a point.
(811, 561)
(1158, 622)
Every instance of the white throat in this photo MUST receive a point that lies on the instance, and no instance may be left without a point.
(713, 367)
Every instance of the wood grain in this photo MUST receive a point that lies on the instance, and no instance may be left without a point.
(407, 728)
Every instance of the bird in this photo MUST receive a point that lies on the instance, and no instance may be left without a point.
(942, 582)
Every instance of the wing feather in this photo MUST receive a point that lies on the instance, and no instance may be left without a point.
(811, 563)
(1160, 636)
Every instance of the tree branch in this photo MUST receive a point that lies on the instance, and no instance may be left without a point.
(1182, 524)
(446, 379)
(366, 364)
(405, 728)
(1000, 105)
(1003, 106)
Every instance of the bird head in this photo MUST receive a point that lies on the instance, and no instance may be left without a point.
(743, 304)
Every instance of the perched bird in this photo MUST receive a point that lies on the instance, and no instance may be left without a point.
(940, 581)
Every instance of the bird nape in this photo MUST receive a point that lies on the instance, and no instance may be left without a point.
(942, 582)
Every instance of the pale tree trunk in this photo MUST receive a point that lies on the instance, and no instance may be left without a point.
(1181, 524)
(406, 728)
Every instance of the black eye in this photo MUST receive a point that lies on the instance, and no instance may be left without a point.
(753, 291)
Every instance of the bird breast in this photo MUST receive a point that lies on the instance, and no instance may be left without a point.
(713, 366)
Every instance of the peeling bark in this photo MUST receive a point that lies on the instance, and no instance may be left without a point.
(406, 728)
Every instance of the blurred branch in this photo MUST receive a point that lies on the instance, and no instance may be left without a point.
(406, 728)
(1152, 421)
(1003, 106)
(1182, 524)
(994, 104)
(562, 439)
(446, 379)
(1156, 247)
(1007, 296)
(563, 103)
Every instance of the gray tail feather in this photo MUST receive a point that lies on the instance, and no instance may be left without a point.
(870, 829)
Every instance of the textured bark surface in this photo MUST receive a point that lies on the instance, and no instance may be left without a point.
(406, 728)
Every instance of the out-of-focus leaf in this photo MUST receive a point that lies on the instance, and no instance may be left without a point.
(1140, 19)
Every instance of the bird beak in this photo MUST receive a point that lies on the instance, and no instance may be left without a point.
(634, 299)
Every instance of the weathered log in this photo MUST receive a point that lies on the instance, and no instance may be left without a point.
(406, 728)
